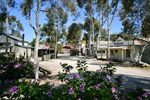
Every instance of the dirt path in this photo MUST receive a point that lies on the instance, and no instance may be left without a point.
(132, 76)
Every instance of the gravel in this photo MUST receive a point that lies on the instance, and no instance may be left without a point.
(132, 76)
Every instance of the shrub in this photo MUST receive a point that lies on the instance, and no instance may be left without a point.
(74, 52)
(14, 68)
(84, 85)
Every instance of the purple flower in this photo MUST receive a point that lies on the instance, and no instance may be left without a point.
(116, 96)
(15, 89)
(95, 99)
(113, 89)
(123, 97)
(145, 94)
(49, 93)
(110, 60)
(99, 70)
(17, 65)
(90, 74)
(52, 85)
(82, 89)
(96, 86)
(71, 91)
(67, 70)
(78, 61)
(60, 63)
(83, 84)
(77, 76)
(139, 98)
(108, 77)
(72, 76)
(79, 98)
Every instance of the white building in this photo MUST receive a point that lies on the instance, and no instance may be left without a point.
(16, 45)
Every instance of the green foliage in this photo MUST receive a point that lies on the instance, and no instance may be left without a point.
(74, 52)
(133, 13)
(26, 7)
(96, 25)
(146, 27)
(59, 48)
(74, 33)
(32, 91)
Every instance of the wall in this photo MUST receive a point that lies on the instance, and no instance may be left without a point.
(146, 55)
(135, 52)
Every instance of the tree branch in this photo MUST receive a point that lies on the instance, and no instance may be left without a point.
(32, 25)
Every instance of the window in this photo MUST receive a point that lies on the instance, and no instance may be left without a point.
(128, 53)
(103, 51)
(99, 51)
(111, 52)
(116, 51)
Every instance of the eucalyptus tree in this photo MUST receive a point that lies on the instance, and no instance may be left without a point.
(15, 26)
(97, 26)
(74, 33)
(63, 36)
(27, 7)
(4, 7)
(56, 17)
(90, 12)
(135, 17)
(101, 9)
(111, 11)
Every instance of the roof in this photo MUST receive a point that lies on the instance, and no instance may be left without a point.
(14, 37)
(102, 43)
(68, 47)
(23, 46)
(43, 46)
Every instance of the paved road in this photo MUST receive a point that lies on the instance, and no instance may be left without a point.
(132, 76)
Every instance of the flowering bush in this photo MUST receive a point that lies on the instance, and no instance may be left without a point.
(14, 68)
(84, 85)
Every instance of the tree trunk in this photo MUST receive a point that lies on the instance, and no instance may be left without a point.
(108, 29)
(6, 27)
(91, 28)
(37, 31)
(143, 49)
(56, 45)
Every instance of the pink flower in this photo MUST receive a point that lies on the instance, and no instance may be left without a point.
(113, 89)
(17, 65)
(71, 91)
(145, 95)
(116, 96)
(15, 89)
(99, 70)
(108, 77)
(72, 76)
(139, 98)
(77, 76)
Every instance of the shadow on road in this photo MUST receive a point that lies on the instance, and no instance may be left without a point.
(131, 82)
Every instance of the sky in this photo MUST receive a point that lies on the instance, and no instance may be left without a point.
(29, 33)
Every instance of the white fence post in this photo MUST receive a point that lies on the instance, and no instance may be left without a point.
(37, 72)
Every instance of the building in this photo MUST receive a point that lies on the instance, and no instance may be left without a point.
(121, 50)
(16, 45)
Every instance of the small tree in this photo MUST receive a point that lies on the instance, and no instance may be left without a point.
(74, 33)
